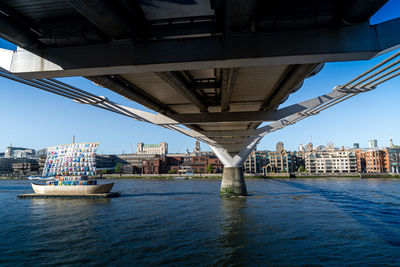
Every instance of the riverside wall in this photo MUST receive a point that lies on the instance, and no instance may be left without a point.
(246, 175)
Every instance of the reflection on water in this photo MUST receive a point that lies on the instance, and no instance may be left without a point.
(60, 203)
(233, 231)
(283, 222)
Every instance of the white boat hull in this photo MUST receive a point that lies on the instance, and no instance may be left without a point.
(72, 190)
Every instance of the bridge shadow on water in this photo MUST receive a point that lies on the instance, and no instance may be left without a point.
(370, 214)
(278, 194)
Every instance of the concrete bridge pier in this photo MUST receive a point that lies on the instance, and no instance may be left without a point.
(233, 182)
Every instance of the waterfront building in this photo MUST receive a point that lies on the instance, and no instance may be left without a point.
(19, 152)
(6, 165)
(194, 164)
(393, 156)
(199, 164)
(132, 163)
(156, 149)
(215, 163)
(128, 163)
(372, 160)
(282, 161)
(360, 160)
(278, 160)
(299, 157)
(19, 165)
(155, 165)
(106, 163)
(331, 161)
(42, 161)
(379, 160)
(26, 166)
(19, 160)
(255, 162)
(393, 159)
(356, 146)
(41, 152)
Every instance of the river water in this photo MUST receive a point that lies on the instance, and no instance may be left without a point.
(283, 222)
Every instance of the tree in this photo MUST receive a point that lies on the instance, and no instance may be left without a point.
(301, 168)
(210, 168)
(171, 171)
(118, 168)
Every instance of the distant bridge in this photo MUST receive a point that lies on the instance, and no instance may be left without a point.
(213, 70)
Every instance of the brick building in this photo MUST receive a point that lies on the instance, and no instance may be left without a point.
(194, 164)
(372, 160)
(156, 165)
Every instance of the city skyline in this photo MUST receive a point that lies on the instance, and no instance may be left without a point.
(132, 150)
(39, 119)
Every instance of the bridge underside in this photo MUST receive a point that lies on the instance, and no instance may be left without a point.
(214, 70)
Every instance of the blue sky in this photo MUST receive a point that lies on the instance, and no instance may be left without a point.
(37, 119)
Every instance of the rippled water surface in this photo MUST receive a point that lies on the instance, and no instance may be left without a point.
(283, 222)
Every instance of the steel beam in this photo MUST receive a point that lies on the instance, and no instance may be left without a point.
(228, 79)
(229, 133)
(291, 116)
(293, 78)
(183, 30)
(15, 32)
(245, 116)
(356, 42)
(180, 85)
(228, 140)
(103, 16)
(108, 19)
(129, 91)
(253, 116)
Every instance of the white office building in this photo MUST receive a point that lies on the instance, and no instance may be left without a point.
(19, 152)
(157, 149)
(331, 161)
